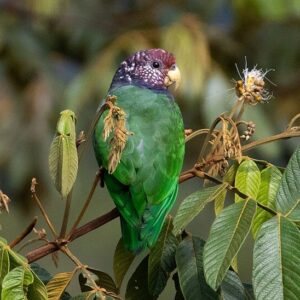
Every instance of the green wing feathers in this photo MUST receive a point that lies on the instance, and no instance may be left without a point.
(144, 185)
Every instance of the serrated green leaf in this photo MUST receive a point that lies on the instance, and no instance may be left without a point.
(276, 260)
(229, 178)
(137, 287)
(15, 284)
(102, 279)
(4, 264)
(227, 234)
(270, 180)
(57, 285)
(232, 288)
(122, 261)
(162, 259)
(247, 179)
(288, 195)
(191, 206)
(189, 260)
(63, 157)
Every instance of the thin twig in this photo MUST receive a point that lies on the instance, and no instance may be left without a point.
(23, 234)
(78, 263)
(66, 215)
(196, 133)
(207, 138)
(186, 175)
(85, 270)
(86, 203)
(54, 246)
(266, 140)
(292, 122)
(43, 211)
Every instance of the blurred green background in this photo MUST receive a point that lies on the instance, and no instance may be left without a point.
(58, 54)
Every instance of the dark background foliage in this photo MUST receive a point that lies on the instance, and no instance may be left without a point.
(58, 54)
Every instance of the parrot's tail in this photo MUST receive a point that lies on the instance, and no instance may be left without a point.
(145, 235)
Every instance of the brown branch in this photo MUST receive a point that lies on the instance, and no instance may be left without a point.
(23, 234)
(283, 135)
(54, 246)
(186, 175)
(86, 203)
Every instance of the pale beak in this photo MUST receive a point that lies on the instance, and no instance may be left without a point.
(173, 77)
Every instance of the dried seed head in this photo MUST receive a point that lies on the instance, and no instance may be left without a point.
(114, 123)
(251, 87)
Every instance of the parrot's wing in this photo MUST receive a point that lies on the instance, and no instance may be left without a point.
(144, 185)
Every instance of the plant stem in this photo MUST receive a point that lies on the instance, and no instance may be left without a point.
(196, 133)
(86, 203)
(207, 138)
(43, 211)
(66, 215)
(23, 234)
(78, 263)
(54, 246)
(279, 136)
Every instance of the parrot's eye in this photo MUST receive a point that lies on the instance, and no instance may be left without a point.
(156, 64)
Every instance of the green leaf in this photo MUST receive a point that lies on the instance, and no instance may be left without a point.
(189, 260)
(162, 259)
(41, 272)
(288, 196)
(15, 284)
(191, 206)
(137, 287)
(4, 264)
(63, 157)
(270, 180)
(227, 235)
(178, 295)
(247, 179)
(122, 261)
(37, 289)
(102, 279)
(229, 178)
(3, 242)
(16, 259)
(276, 260)
(57, 285)
(232, 288)
(249, 291)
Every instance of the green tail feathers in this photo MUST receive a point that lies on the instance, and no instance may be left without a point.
(144, 235)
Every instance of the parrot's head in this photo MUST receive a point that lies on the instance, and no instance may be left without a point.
(152, 68)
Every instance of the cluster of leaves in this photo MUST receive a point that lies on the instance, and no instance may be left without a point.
(17, 279)
(208, 270)
(266, 202)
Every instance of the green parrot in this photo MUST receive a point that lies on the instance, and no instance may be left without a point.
(144, 185)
